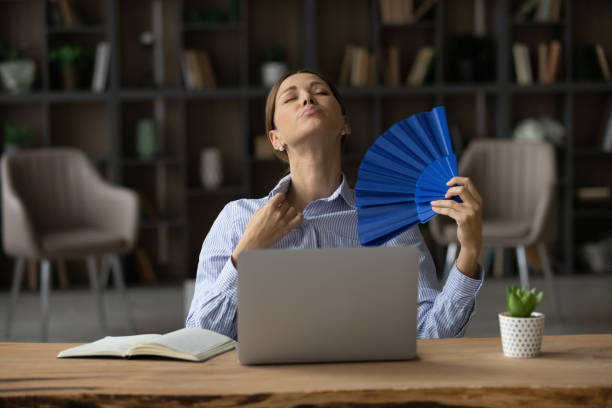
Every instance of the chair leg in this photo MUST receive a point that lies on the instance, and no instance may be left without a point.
(113, 260)
(548, 277)
(16, 285)
(45, 288)
(92, 270)
(521, 258)
(451, 254)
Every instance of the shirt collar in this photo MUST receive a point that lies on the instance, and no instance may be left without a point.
(344, 190)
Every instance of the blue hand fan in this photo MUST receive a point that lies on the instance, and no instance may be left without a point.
(405, 169)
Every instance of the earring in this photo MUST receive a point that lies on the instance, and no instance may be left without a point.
(281, 148)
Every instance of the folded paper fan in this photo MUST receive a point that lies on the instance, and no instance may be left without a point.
(405, 169)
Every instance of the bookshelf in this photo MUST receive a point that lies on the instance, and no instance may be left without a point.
(178, 211)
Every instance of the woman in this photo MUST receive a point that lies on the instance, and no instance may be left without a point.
(314, 207)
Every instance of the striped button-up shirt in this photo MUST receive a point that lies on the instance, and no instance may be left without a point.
(328, 223)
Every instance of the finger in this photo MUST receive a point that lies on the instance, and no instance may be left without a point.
(291, 213)
(464, 193)
(465, 181)
(277, 199)
(451, 212)
(296, 220)
(283, 208)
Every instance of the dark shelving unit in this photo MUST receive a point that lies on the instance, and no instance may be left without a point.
(232, 114)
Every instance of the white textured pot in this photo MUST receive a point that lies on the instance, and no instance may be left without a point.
(18, 76)
(521, 336)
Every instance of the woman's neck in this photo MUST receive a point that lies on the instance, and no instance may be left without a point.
(312, 180)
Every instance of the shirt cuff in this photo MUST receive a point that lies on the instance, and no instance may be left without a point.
(460, 286)
(227, 280)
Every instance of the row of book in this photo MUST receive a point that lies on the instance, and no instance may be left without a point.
(393, 12)
(539, 10)
(549, 56)
(421, 66)
(63, 13)
(197, 69)
(358, 67)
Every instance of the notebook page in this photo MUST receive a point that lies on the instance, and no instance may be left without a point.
(118, 344)
(192, 340)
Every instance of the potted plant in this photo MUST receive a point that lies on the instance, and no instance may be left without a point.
(273, 66)
(67, 56)
(16, 71)
(521, 328)
(14, 137)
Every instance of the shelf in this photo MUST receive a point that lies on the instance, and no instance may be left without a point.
(538, 88)
(583, 86)
(538, 24)
(136, 161)
(203, 192)
(421, 25)
(93, 29)
(203, 27)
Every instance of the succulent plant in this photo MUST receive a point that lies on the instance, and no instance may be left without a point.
(522, 302)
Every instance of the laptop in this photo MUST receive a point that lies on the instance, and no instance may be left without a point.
(327, 305)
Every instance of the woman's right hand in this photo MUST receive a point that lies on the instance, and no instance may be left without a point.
(268, 225)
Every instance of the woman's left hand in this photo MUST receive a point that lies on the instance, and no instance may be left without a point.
(467, 214)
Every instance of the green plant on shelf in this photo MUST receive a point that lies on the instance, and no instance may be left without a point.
(66, 55)
(522, 302)
(69, 58)
(15, 135)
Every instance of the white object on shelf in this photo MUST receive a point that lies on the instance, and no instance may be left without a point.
(17, 76)
(211, 171)
(271, 72)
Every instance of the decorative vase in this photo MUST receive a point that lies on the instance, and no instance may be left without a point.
(146, 143)
(211, 171)
(69, 77)
(271, 72)
(521, 336)
(18, 76)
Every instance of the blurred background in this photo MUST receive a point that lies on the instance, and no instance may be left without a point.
(165, 101)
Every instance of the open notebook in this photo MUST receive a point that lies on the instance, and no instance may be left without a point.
(185, 344)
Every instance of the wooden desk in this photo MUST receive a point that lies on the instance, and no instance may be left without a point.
(572, 371)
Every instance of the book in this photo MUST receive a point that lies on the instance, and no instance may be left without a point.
(543, 12)
(192, 344)
(603, 62)
(554, 57)
(422, 9)
(392, 67)
(542, 63)
(206, 71)
(420, 66)
(69, 16)
(101, 64)
(526, 10)
(522, 64)
(345, 67)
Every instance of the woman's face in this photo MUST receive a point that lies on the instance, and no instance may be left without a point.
(306, 112)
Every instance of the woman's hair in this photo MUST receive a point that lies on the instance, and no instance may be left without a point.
(271, 105)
